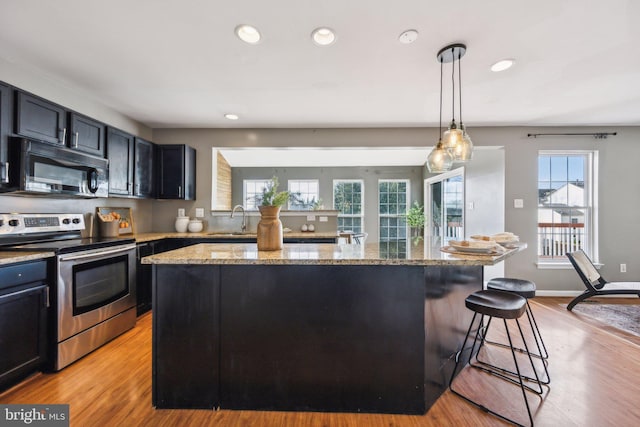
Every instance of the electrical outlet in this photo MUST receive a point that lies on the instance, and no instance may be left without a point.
(518, 203)
(324, 219)
(623, 268)
(199, 212)
(311, 217)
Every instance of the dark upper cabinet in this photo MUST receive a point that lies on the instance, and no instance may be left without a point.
(176, 172)
(120, 149)
(144, 178)
(40, 119)
(5, 122)
(86, 134)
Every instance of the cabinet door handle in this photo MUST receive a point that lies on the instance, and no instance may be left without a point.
(179, 190)
(5, 173)
(75, 144)
(46, 297)
(64, 135)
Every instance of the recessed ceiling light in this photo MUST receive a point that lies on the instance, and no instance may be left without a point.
(408, 36)
(248, 34)
(323, 36)
(231, 116)
(502, 65)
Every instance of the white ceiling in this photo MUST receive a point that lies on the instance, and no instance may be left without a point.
(177, 63)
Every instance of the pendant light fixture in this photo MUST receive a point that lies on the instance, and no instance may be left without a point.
(455, 139)
(440, 159)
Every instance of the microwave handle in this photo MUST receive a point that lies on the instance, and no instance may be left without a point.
(99, 254)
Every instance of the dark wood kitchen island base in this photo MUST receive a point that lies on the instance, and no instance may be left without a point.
(357, 334)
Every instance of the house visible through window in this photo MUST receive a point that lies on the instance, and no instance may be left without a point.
(393, 196)
(253, 188)
(307, 194)
(566, 200)
(348, 198)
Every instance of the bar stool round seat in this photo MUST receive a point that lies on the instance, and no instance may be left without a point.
(494, 303)
(524, 288)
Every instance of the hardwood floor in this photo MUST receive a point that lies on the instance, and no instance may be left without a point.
(594, 369)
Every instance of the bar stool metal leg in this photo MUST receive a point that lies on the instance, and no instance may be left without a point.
(504, 305)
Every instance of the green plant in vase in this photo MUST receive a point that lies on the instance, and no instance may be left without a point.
(416, 220)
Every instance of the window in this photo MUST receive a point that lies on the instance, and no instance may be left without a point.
(566, 200)
(253, 188)
(348, 198)
(307, 193)
(393, 196)
(444, 196)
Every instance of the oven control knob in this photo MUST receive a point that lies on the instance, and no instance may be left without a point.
(14, 222)
(66, 221)
(76, 220)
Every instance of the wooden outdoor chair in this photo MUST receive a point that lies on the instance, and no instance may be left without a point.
(594, 282)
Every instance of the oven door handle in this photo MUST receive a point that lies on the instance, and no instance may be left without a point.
(97, 254)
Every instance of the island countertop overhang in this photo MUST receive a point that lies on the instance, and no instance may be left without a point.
(424, 254)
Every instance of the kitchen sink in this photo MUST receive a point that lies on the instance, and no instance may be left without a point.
(223, 233)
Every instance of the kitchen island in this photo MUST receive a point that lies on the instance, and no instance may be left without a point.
(312, 327)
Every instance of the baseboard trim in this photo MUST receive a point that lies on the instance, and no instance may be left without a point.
(573, 294)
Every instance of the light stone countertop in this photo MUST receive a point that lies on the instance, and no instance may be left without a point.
(320, 254)
(11, 257)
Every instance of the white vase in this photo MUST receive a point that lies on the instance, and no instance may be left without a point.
(182, 222)
(195, 226)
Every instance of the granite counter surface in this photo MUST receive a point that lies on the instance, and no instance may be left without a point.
(11, 257)
(321, 254)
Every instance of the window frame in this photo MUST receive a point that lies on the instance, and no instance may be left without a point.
(396, 215)
(316, 181)
(362, 201)
(591, 246)
(244, 191)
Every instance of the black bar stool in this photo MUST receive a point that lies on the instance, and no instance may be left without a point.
(502, 305)
(526, 289)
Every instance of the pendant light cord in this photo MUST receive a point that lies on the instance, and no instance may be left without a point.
(440, 123)
(453, 85)
(460, 85)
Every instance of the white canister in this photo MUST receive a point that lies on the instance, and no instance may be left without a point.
(182, 222)
(195, 225)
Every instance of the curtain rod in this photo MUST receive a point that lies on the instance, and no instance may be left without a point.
(596, 135)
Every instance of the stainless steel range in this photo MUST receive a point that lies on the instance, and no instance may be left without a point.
(95, 297)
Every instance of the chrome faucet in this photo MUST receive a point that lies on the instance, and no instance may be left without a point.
(243, 227)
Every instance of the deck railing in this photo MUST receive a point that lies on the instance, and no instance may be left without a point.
(555, 240)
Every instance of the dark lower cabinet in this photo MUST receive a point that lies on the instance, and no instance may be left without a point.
(40, 119)
(143, 278)
(86, 134)
(5, 124)
(24, 301)
(120, 150)
(186, 343)
(176, 172)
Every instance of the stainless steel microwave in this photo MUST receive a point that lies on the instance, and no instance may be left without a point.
(46, 169)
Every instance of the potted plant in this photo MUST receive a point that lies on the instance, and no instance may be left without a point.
(270, 201)
(416, 219)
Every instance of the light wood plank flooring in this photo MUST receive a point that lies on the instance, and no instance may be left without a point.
(595, 373)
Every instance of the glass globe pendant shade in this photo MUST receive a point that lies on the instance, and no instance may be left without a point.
(439, 160)
(452, 138)
(463, 151)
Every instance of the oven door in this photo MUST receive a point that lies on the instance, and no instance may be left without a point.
(94, 286)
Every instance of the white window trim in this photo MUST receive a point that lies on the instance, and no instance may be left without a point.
(591, 180)
(333, 200)
(408, 203)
